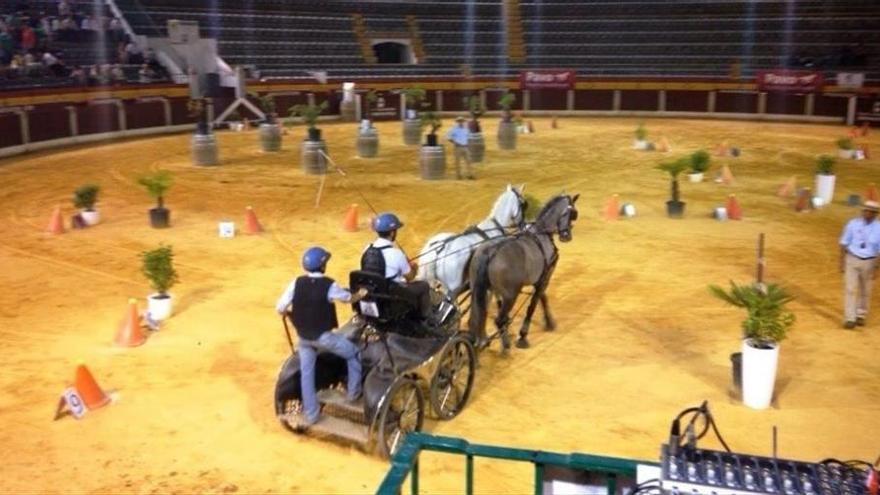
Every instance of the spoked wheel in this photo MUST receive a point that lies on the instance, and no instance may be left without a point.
(401, 412)
(452, 381)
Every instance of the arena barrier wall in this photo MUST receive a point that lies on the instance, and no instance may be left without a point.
(48, 118)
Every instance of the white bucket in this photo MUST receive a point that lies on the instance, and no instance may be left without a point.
(758, 374)
(696, 177)
(825, 187)
(159, 309)
(90, 217)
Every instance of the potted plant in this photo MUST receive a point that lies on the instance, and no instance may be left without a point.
(675, 207)
(157, 184)
(699, 163)
(84, 198)
(235, 122)
(432, 157)
(476, 144)
(204, 145)
(507, 128)
(414, 99)
(158, 267)
(368, 138)
(845, 148)
(641, 142)
(765, 326)
(313, 147)
(270, 131)
(825, 178)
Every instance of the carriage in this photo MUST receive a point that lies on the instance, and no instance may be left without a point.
(404, 360)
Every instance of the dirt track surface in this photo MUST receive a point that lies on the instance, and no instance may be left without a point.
(638, 339)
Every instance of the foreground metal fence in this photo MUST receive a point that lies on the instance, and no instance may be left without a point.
(406, 463)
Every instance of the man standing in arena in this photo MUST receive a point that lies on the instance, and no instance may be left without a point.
(458, 136)
(859, 246)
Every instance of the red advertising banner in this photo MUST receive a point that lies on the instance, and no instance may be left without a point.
(801, 81)
(547, 79)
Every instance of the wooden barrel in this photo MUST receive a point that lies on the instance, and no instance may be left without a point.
(204, 149)
(507, 135)
(270, 137)
(368, 143)
(432, 162)
(476, 147)
(347, 111)
(313, 162)
(412, 131)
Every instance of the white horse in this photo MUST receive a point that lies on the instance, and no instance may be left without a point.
(445, 256)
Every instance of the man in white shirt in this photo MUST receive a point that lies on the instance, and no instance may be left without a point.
(859, 247)
(458, 136)
(383, 256)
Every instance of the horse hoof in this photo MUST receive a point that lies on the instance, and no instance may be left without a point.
(550, 326)
(522, 343)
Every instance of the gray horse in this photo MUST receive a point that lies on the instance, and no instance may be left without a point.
(507, 265)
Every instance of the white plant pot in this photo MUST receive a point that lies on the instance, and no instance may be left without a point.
(159, 309)
(90, 217)
(846, 154)
(696, 177)
(640, 144)
(825, 188)
(758, 374)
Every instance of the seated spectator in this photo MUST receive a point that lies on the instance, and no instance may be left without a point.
(121, 53)
(118, 74)
(134, 53)
(79, 77)
(54, 64)
(146, 74)
(115, 27)
(28, 38)
(64, 8)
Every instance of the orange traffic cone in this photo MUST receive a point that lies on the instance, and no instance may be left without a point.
(865, 128)
(721, 149)
(734, 212)
(804, 201)
(554, 124)
(788, 189)
(251, 224)
(871, 194)
(865, 151)
(130, 333)
(612, 208)
(854, 132)
(350, 222)
(88, 388)
(726, 175)
(56, 224)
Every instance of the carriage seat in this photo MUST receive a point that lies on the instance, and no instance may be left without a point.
(383, 295)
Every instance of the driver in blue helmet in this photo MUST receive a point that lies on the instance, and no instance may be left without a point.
(384, 257)
(311, 297)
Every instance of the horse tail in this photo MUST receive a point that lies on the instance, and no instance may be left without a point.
(479, 282)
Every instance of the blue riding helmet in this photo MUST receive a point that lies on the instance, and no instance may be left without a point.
(386, 222)
(315, 258)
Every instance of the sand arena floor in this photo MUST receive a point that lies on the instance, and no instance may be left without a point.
(639, 337)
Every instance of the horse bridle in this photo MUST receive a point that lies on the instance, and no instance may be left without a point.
(572, 216)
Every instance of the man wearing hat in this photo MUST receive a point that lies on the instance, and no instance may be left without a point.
(859, 246)
(458, 135)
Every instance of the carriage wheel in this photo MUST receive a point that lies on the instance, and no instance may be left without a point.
(452, 382)
(401, 412)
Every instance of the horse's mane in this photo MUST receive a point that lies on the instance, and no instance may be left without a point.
(549, 205)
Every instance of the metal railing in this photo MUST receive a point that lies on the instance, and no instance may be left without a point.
(406, 462)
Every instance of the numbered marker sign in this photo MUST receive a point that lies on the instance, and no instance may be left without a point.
(369, 308)
(226, 229)
(74, 402)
